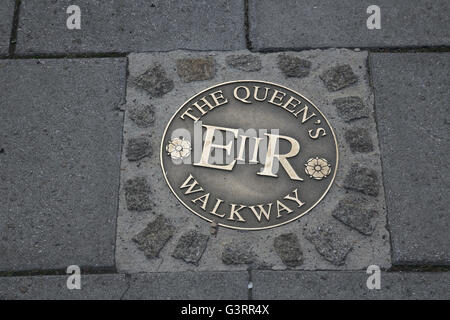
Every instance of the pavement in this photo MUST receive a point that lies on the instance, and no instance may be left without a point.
(82, 113)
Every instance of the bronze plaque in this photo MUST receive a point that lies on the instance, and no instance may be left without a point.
(249, 155)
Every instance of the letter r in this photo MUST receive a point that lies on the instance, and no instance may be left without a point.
(282, 158)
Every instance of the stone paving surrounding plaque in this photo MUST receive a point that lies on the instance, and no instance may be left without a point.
(303, 24)
(412, 109)
(6, 22)
(324, 285)
(346, 231)
(60, 142)
(131, 26)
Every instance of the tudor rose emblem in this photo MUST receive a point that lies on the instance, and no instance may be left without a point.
(249, 155)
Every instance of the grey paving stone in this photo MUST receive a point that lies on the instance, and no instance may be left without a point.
(362, 179)
(137, 194)
(196, 69)
(60, 132)
(366, 249)
(104, 287)
(131, 26)
(411, 95)
(142, 114)
(289, 250)
(6, 22)
(320, 285)
(293, 66)
(189, 285)
(244, 62)
(359, 140)
(353, 212)
(155, 81)
(154, 237)
(138, 148)
(190, 247)
(300, 24)
(329, 244)
(351, 108)
(339, 77)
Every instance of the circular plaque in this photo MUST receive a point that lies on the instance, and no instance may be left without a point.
(249, 155)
